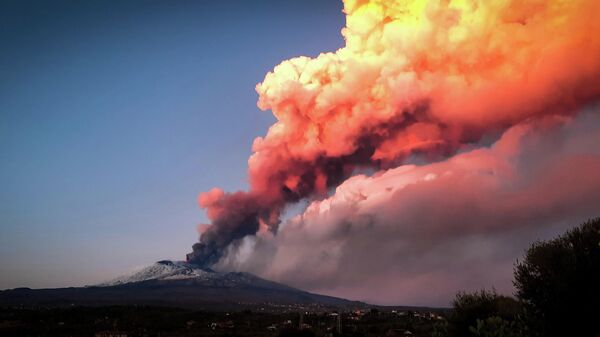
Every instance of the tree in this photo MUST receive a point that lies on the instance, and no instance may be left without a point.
(559, 282)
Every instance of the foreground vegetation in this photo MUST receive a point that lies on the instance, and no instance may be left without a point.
(558, 293)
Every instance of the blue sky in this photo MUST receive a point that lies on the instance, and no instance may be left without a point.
(114, 115)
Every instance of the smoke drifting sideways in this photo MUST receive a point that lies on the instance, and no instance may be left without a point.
(423, 232)
(414, 77)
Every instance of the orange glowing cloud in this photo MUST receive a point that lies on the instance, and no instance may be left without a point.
(415, 77)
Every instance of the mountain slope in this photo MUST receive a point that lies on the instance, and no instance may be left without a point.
(178, 284)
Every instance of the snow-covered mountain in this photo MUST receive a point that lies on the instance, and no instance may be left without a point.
(178, 284)
(182, 273)
(164, 270)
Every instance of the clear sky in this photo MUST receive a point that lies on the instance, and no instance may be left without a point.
(114, 115)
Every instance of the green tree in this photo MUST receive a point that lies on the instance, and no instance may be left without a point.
(559, 282)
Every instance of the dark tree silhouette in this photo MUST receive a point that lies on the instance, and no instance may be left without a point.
(559, 282)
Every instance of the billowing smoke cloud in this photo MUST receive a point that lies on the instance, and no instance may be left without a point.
(415, 77)
(418, 234)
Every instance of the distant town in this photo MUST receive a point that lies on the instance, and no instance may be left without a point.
(147, 321)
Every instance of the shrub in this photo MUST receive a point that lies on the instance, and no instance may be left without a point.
(469, 308)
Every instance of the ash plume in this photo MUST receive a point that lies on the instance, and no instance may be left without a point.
(414, 77)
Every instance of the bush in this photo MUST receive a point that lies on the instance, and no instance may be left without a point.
(498, 327)
(469, 308)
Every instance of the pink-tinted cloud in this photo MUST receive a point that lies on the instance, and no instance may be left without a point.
(417, 234)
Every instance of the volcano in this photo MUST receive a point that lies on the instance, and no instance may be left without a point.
(179, 284)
